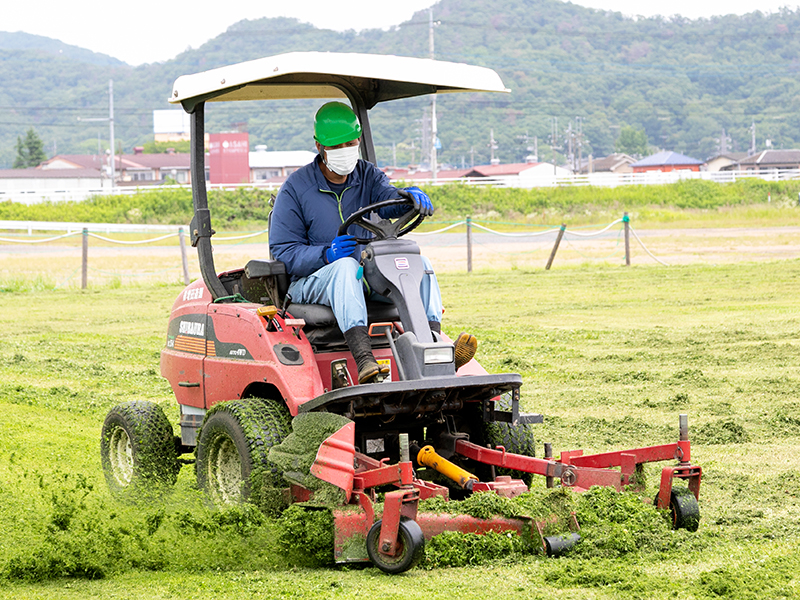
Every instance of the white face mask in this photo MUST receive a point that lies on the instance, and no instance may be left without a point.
(342, 161)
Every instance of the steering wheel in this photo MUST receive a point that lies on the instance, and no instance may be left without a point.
(384, 229)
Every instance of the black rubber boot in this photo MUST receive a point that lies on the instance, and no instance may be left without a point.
(436, 326)
(360, 346)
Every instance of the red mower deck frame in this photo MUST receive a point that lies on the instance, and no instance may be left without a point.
(574, 470)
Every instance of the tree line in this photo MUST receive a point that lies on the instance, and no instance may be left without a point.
(693, 86)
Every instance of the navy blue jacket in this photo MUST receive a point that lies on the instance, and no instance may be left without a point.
(307, 214)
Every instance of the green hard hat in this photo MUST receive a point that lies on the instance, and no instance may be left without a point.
(335, 123)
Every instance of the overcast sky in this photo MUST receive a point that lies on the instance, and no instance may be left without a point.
(155, 30)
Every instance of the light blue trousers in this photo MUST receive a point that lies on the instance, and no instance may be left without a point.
(335, 285)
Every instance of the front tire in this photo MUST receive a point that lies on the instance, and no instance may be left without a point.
(137, 449)
(232, 464)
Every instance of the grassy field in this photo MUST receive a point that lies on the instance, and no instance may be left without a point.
(610, 356)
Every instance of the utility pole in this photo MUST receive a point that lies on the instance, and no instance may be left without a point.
(570, 148)
(752, 139)
(531, 150)
(492, 146)
(433, 102)
(553, 147)
(111, 132)
(110, 120)
(724, 139)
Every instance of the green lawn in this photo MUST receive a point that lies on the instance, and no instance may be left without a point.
(610, 356)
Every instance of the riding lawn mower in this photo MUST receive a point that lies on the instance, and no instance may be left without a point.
(253, 372)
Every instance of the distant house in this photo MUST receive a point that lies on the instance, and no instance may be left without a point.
(666, 162)
(136, 169)
(151, 169)
(721, 161)
(72, 172)
(276, 166)
(767, 160)
(613, 163)
(411, 174)
(522, 171)
(19, 182)
(512, 171)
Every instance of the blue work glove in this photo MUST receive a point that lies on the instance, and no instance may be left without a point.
(422, 204)
(341, 246)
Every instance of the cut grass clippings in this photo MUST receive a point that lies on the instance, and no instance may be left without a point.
(609, 355)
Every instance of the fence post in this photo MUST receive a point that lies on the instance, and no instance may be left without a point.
(627, 221)
(469, 244)
(184, 260)
(85, 259)
(555, 246)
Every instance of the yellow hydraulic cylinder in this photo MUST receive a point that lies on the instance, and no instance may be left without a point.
(427, 456)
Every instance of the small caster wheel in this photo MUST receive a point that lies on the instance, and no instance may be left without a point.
(683, 508)
(410, 547)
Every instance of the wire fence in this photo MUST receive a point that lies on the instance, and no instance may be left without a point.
(168, 256)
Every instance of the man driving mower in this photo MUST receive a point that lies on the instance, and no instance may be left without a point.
(323, 267)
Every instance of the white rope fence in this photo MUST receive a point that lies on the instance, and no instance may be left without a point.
(661, 262)
(470, 224)
(52, 239)
(523, 234)
(594, 233)
(132, 242)
(561, 232)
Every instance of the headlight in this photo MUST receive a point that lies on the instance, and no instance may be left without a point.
(439, 355)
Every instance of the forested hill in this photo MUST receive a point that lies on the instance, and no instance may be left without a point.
(682, 81)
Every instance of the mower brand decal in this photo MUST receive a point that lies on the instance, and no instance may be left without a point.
(193, 294)
(192, 328)
(189, 333)
(401, 263)
(190, 344)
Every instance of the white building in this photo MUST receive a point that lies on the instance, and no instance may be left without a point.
(276, 166)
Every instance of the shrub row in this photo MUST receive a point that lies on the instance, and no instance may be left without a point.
(251, 205)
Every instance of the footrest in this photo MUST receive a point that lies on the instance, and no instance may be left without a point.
(502, 416)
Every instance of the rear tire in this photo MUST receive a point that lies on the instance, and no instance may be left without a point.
(232, 464)
(137, 449)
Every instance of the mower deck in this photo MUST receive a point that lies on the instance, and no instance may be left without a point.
(358, 523)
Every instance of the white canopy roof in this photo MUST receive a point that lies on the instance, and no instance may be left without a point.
(375, 78)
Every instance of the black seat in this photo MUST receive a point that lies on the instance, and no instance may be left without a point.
(270, 277)
(319, 315)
